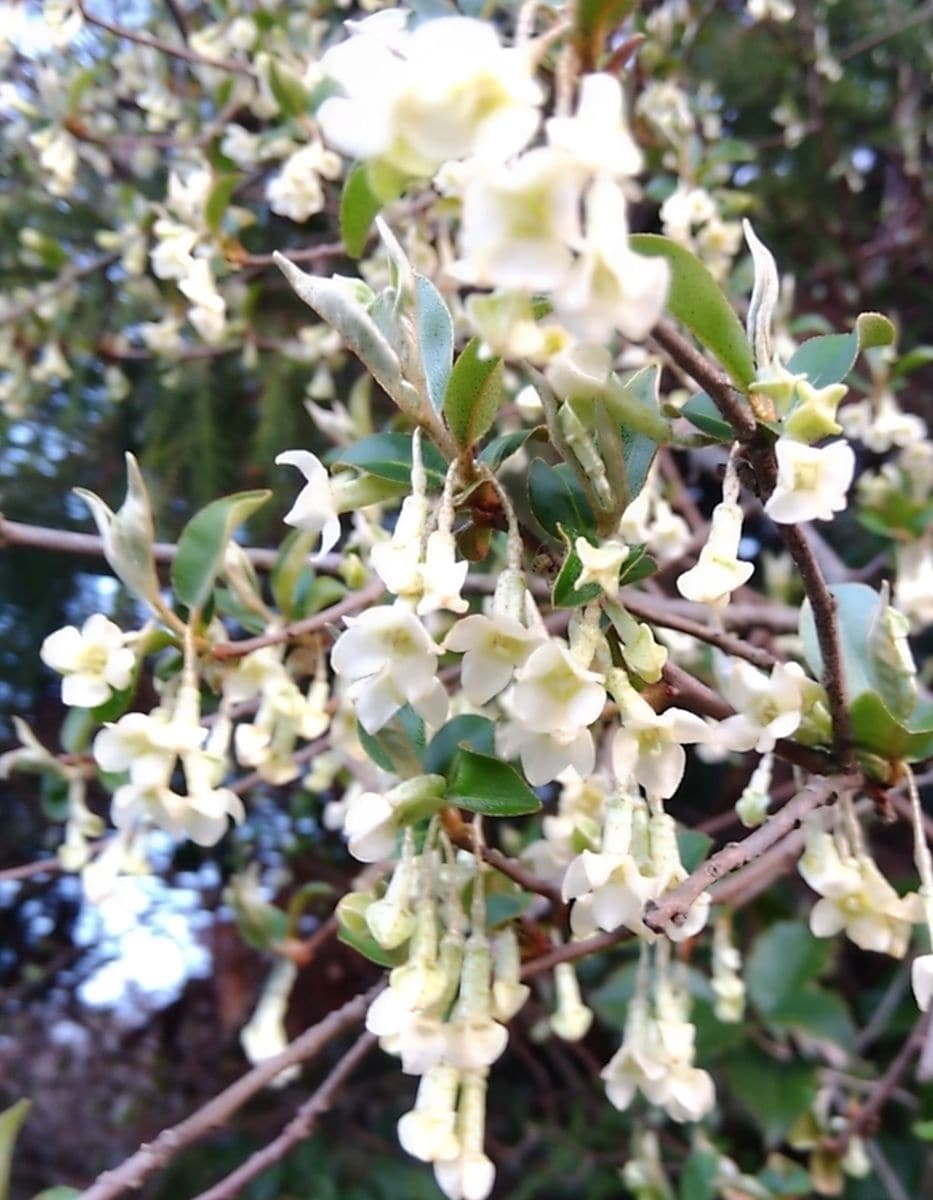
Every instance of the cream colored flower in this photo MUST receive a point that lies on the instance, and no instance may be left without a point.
(812, 482)
(93, 661)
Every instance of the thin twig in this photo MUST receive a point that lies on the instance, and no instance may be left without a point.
(53, 287)
(153, 1156)
(364, 598)
(866, 1120)
(154, 43)
(713, 381)
(300, 1127)
(672, 908)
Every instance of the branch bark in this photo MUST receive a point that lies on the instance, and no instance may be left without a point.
(300, 1127)
(153, 1156)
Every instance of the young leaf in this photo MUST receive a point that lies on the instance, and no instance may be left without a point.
(218, 200)
(829, 359)
(203, 543)
(473, 395)
(557, 499)
(388, 455)
(696, 301)
(359, 206)
(128, 535)
(495, 453)
(435, 339)
(353, 931)
(398, 746)
(484, 784)
(11, 1119)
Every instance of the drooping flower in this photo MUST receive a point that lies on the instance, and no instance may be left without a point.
(492, 648)
(314, 509)
(767, 707)
(597, 135)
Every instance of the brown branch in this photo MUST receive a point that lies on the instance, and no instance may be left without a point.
(364, 598)
(154, 43)
(308, 254)
(300, 1127)
(647, 607)
(153, 1156)
(713, 381)
(571, 951)
(674, 906)
(865, 1121)
(462, 836)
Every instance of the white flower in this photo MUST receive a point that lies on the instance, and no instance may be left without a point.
(146, 745)
(315, 509)
(442, 576)
(598, 136)
(545, 756)
(428, 1131)
(389, 660)
(469, 1177)
(921, 979)
(414, 100)
(520, 222)
(601, 564)
(296, 191)
(370, 826)
(93, 661)
(610, 287)
(767, 707)
(492, 649)
(264, 1036)
(554, 694)
(718, 571)
(649, 748)
(172, 255)
(812, 482)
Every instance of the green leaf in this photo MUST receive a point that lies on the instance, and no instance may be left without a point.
(474, 394)
(495, 453)
(467, 730)
(785, 1177)
(359, 207)
(557, 499)
(58, 1193)
(639, 448)
(290, 93)
(856, 606)
(701, 411)
(816, 1011)
(398, 746)
(696, 301)
(291, 565)
(698, 1178)
(484, 784)
(353, 931)
(11, 1120)
(784, 958)
(693, 845)
(638, 566)
(775, 1093)
(877, 730)
(203, 543)
(218, 200)
(504, 907)
(829, 359)
(920, 356)
(388, 455)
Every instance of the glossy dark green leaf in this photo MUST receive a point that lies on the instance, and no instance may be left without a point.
(557, 500)
(359, 207)
(774, 1093)
(565, 593)
(468, 729)
(483, 784)
(783, 959)
(638, 566)
(474, 394)
(388, 455)
(203, 543)
(496, 451)
(435, 339)
(696, 300)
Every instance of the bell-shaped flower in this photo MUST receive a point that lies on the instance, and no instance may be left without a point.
(520, 222)
(508, 992)
(93, 661)
(315, 509)
(428, 1132)
(610, 287)
(649, 748)
(388, 660)
(597, 136)
(856, 897)
(719, 570)
(572, 1019)
(264, 1036)
(601, 564)
(493, 648)
(553, 693)
(812, 481)
(767, 707)
(471, 1175)
(442, 576)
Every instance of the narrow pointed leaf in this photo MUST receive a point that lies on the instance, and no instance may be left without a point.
(359, 207)
(435, 339)
(203, 543)
(474, 394)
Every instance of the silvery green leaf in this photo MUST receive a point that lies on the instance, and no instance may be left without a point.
(764, 299)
